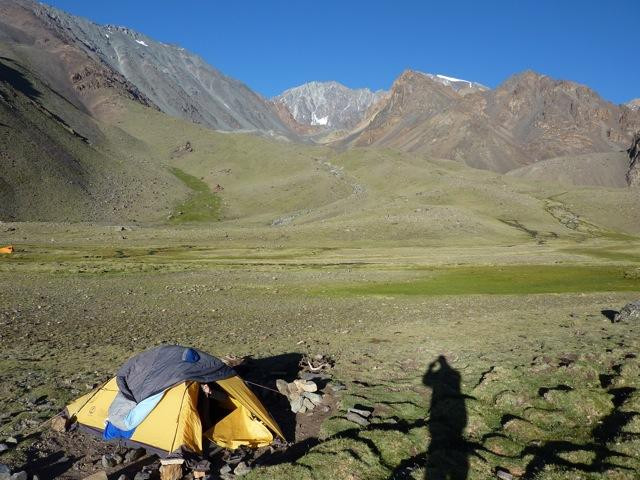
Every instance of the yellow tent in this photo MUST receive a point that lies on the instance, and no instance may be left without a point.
(174, 423)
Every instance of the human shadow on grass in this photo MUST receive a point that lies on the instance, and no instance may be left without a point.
(448, 452)
(447, 455)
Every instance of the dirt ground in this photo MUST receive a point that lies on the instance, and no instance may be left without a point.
(540, 385)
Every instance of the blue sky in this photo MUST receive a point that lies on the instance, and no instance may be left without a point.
(274, 45)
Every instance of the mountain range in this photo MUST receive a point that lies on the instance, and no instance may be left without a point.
(70, 89)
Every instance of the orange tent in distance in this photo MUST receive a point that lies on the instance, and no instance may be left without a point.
(7, 249)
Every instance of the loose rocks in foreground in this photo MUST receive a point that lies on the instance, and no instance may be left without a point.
(631, 311)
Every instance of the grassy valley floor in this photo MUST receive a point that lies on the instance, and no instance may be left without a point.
(475, 359)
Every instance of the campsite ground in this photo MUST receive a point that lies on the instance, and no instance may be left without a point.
(536, 381)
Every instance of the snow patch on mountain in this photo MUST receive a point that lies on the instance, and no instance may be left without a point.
(318, 121)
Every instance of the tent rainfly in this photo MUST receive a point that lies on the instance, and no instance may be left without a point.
(152, 402)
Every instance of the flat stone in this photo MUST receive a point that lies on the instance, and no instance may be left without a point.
(503, 475)
(241, 469)
(282, 387)
(101, 475)
(354, 417)
(360, 411)
(306, 385)
(315, 398)
(296, 404)
(12, 440)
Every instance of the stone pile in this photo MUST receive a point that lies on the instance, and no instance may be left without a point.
(302, 394)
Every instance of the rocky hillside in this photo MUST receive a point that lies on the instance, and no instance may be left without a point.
(633, 176)
(328, 104)
(528, 118)
(634, 104)
(178, 82)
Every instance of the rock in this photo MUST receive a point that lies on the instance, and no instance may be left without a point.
(110, 460)
(135, 454)
(361, 411)
(504, 475)
(101, 475)
(296, 404)
(337, 386)
(123, 477)
(5, 472)
(315, 398)
(225, 470)
(354, 417)
(143, 475)
(21, 475)
(59, 424)
(305, 385)
(11, 440)
(282, 387)
(631, 311)
(308, 404)
(3, 447)
(292, 388)
(241, 469)
(172, 471)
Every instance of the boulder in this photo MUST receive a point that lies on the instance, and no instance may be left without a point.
(241, 469)
(631, 311)
(5, 472)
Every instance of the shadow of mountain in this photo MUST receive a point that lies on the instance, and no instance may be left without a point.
(17, 80)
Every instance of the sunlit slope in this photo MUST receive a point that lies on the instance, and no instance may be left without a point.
(57, 165)
(362, 196)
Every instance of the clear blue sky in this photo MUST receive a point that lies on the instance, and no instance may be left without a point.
(274, 45)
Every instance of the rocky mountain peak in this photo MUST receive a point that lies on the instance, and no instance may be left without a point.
(634, 104)
(327, 104)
